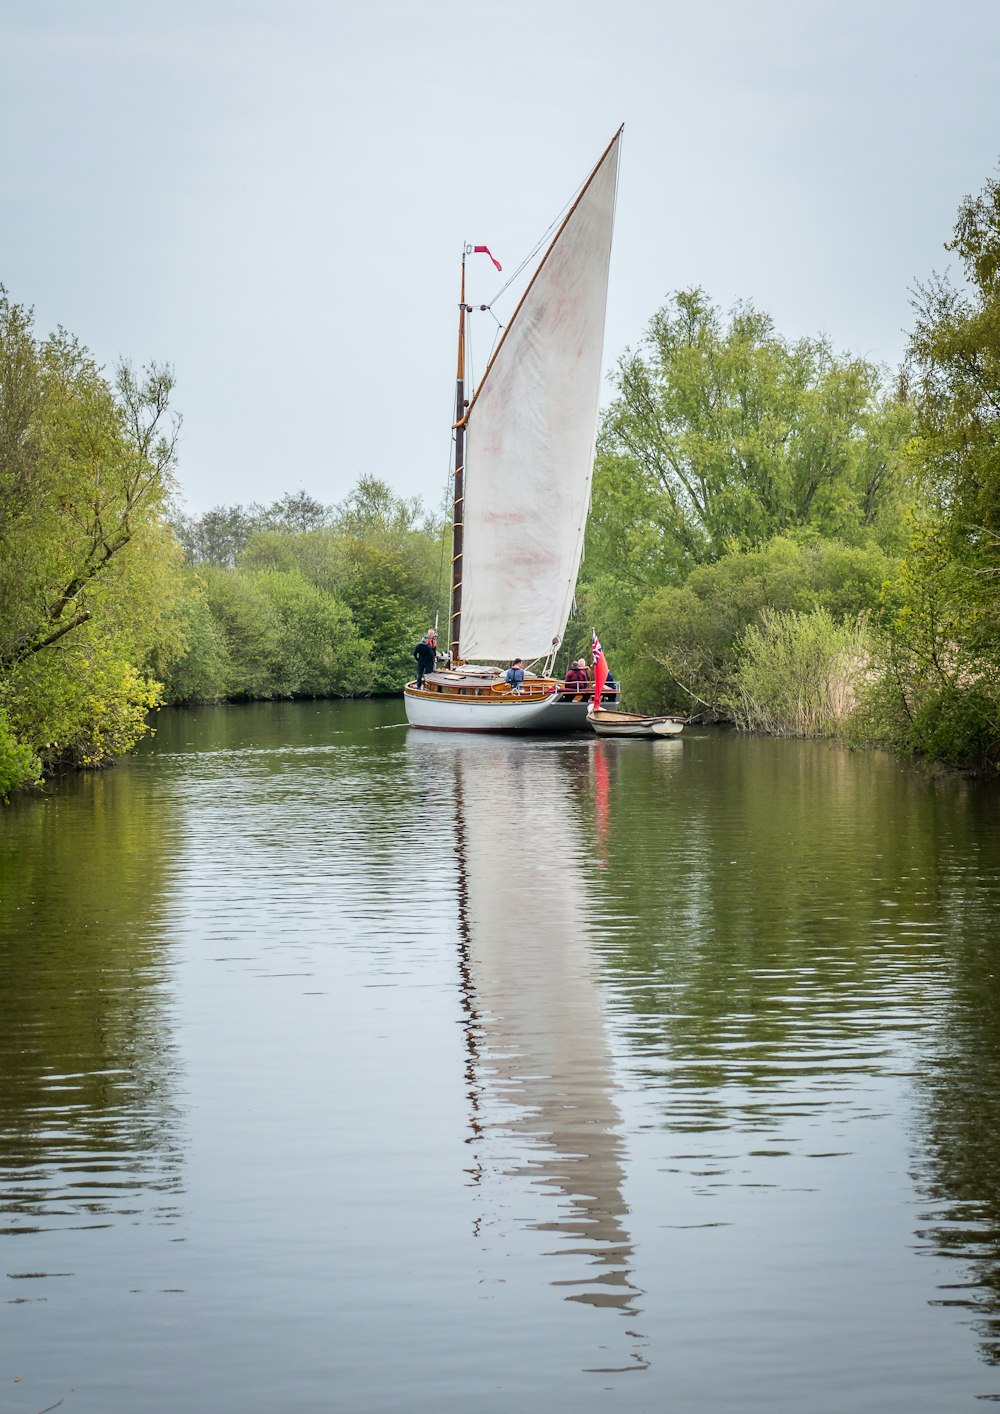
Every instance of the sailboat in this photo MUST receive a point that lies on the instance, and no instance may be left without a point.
(524, 458)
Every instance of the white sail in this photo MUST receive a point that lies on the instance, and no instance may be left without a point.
(530, 442)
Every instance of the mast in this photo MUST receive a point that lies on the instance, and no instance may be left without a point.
(458, 512)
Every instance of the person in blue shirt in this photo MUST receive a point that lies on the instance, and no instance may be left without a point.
(514, 676)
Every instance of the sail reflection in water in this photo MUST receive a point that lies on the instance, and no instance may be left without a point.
(540, 1069)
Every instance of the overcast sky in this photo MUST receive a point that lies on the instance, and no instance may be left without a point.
(273, 197)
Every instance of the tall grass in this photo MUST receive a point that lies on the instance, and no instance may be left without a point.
(798, 674)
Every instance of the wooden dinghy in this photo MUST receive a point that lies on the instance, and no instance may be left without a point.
(633, 724)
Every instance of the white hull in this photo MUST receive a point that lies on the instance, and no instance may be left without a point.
(434, 711)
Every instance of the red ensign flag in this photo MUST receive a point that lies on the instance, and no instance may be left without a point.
(600, 670)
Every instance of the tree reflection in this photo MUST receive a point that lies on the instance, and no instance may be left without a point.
(815, 920)
(87, 1123)
(957, 1169)
(762, 933)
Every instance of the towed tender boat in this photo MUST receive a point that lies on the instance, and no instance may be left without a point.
(607, 723)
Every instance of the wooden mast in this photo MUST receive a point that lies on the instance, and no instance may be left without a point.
(458, 513)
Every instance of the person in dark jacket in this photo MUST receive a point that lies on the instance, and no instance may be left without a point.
(426, 655)
(577, 677)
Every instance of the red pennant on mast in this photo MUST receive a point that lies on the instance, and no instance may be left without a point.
(485, 250)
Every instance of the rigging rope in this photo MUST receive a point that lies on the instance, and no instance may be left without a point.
(496, 337)
(543, 240)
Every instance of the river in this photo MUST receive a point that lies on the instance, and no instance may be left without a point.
(346, 1067)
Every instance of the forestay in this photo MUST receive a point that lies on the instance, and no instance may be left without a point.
(530, 442)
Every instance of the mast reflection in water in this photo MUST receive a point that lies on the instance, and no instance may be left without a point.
(540, 1069)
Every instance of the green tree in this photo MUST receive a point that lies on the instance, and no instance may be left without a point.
(320, 555)
(201, 673)
(294, 513)
(390, 575)
(723, 435)
(938, 692)
(936, 686)
(955, 369)
(217, 537)
(323, 653)
(253, 634)
(88, 568)
(378, 558)
(84, 467)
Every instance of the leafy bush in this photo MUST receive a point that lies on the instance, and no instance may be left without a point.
(266, 633)
(935, 688)
(201, 673)
(349, 589)
(323, 654)
(797, 674)
(80, 705)
(253, 634)
(684, 644)
(19, 765)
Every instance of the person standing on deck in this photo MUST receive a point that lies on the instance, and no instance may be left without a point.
(426, 655)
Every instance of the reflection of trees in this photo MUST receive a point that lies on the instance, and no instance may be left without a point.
(540, 1068)
(812, 919)
(761, 931)
(957, 1171)
(86, 1118)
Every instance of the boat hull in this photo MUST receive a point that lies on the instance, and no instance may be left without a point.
(441, 712)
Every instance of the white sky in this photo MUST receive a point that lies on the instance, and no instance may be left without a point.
(273, 196)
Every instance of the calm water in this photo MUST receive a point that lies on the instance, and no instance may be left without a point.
(351, 1068)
